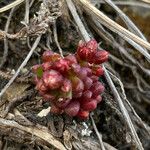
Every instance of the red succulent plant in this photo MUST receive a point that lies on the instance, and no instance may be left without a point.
(71, 84)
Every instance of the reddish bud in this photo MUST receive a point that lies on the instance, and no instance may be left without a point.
(66, 87)
(100, 57)
(52, 79)
(73, 108)
(47, 66)
(77, 85)
(94, 78)
(86, 51)
(88, 70)
(40, 86)
(47, 56)
(83, 53)
(55, 57)
(98, 99)
(77, 94)
(87, 94)
(71, 59)
(89, 105)
(92, 45)
(87, 83)
(82, 74)
(76, 67)
(82, 114)
(62, 65)
(97, 88)
(97, 70)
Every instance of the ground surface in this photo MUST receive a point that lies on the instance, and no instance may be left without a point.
(21, 127)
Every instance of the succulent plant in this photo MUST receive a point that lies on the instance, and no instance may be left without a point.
(71, 84)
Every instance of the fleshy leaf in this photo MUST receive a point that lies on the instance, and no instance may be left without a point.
(69, 94)
(39, 72)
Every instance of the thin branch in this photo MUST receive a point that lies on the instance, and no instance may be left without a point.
(131, 26)
(76, 17)
(5, 54)
(119, 61)
(146, 1)
(56, 39)
(109, 147)
(31, 3)
(11, 5)
(27, 9)
(126, 3)
(97, 133)
(48, 40)
(123, 110)
(26, 20)
(21, 66)
(136, 46)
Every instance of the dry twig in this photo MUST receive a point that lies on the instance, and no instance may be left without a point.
(131, 26)
(11, 5)
(125, 3)
(56, 39)
(5, 39)
(97, 133)
(146, 1)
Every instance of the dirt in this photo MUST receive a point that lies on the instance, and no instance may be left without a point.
(21, 103)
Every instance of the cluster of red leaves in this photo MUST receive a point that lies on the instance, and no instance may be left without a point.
(71, 84)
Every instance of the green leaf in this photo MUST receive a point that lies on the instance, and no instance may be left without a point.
(69, 94)
(39, 72)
